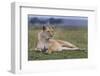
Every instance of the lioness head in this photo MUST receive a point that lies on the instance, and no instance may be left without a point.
(48, 32)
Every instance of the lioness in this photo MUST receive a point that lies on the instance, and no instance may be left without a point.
(48, 44)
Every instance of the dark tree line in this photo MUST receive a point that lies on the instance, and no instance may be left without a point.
(36, 20)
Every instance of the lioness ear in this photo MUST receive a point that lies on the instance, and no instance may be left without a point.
(44, 28)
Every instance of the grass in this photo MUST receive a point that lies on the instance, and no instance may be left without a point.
(76, 36)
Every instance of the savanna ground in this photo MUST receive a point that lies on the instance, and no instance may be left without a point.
(77, 36)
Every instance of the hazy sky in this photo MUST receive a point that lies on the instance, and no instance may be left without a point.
(67, 20)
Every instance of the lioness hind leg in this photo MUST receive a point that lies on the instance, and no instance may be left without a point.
(72, 49)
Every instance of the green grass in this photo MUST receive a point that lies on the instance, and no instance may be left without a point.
(76, 36)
